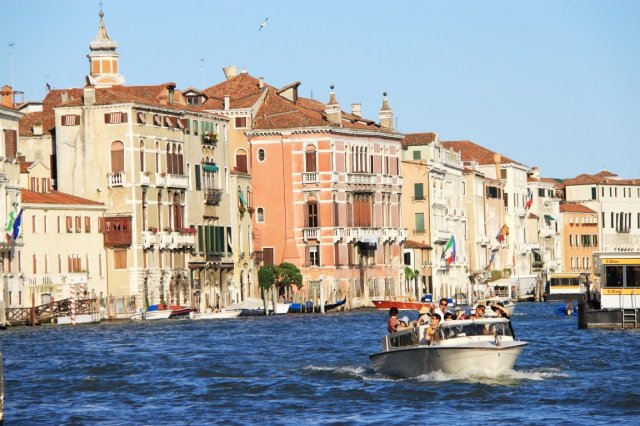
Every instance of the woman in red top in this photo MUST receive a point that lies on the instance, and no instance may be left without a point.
(393, 323)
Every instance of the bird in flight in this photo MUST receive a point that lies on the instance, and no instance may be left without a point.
(263, 24)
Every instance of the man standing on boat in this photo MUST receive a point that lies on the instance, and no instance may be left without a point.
(442, 307)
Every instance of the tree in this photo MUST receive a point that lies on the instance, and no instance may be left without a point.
(278, 277)
(411, 275)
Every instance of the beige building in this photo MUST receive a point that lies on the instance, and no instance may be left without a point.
(580, 238)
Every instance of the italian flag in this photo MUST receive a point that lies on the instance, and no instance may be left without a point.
(529, 198)
(449, 252)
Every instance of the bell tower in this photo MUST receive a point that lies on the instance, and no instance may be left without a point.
(103, 59)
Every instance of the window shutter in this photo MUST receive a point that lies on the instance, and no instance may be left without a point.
(107, 118)
(124, 117)
(418, 191)
(310, 157)
(198, 181)
(200, 239)
(10, 143)
(307, 256)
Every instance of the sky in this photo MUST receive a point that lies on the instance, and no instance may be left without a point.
(548, 83)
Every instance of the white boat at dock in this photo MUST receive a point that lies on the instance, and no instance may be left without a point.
(224, 314)
(484, 346)
(252, 306)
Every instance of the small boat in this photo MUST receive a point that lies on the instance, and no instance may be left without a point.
(161, 311)
(252, 306)
(224, 314)
(308, 307)
(506, 302)
(562, 311)
(485, 346)
(403, 304)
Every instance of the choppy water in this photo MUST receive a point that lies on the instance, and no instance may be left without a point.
(306, 369)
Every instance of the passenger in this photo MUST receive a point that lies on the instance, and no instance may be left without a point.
(480, 310)
(459, 314)
(393, 323)
(404, 323)
(442, 307)
(568, 309)
(448, 316)
(431, 334)
(500, 310)
(424, 316)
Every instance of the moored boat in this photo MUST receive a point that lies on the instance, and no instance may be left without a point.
(308, 306)
(224, 314)
(484, 346)
(160, 311)
(255, 307)
(403, 304)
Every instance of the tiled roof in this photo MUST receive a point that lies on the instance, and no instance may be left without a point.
(470, 151)
(29, 120)
(574, 208)
(410, 244)
(30, 197)
(532, 216)
(243, 91)
(413, 139)
(25, 166)
(585, 179)
(555, 182)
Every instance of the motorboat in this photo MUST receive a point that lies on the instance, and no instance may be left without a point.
(483, 346)
(252, 306)
(506, 302)
(224, 314)
(402, 303)
(161, 311)
(308, 306)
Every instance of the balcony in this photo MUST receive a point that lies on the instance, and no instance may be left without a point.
(310, 234)
(622, 229)
(150, 239)
(361, 179)
(171, 240)
(212, 197)
(210, 139)
(546, 233)
(338, 234)
(483, 240)
(310, 177)
(57, 279)
(387, 180)
(258, 256)
(116, 179)
(177, 181)
(442, 265)
(144, 178)
(117, 231)
(441, 237)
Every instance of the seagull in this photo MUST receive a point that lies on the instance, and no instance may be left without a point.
(263, 24)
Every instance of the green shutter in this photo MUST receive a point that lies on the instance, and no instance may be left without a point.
(200, 239)
(418, 193)
(220, 239)
(198, 183)
(420, 222)
(208, 239)
(229, 241)
(416, 155)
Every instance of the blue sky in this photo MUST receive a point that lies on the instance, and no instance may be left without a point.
(552, 84)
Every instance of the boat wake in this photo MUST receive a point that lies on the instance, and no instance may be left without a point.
(348, 372)
(504, 378)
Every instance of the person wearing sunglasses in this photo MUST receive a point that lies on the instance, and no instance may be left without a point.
(442, 307)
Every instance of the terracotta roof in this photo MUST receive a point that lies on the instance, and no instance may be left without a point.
(416, 245)
(24, 166)
(413, 139)
(574, 208)
(243, 91)
(605, 173)
(555, 182)
(470, 151)
(30, 197)
(532, 216)
(585, 179)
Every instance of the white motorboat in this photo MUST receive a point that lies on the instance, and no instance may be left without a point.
(252, 306)
(224, 314)
(506, 302)
(484, 346)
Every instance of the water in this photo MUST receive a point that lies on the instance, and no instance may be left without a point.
(308, 369)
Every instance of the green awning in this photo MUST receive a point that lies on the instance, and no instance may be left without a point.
(242, 200)
(211, 168)
(548, 218)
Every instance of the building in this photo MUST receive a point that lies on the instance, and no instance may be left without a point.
(579, 238)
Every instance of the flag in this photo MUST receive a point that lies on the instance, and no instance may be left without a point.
(502, 233)
(10, 225)
(16, 226)
(493, 255)
(529, 198)
(449, 252)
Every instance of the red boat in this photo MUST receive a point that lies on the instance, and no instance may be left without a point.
(402, 304)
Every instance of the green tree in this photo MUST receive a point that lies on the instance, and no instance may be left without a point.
(277, 277)
(412, 275)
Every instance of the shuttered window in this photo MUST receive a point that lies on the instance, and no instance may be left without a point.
(10, 143)
(310, 161)
(418, 191)
(267, 256)
(115, 117)
(241, 162)
(117, 157)
(70, 120)
(198, 178)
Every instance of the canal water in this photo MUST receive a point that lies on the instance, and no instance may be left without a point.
(307, 369)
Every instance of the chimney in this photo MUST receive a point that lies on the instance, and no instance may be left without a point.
(261, 83)
(227, 102)
(230, 71)
(244, 71)
(534, 172)
(37, 129)
(496, 159)
(64, 97)
(332, 109)
(385, 114)
(356, 109)
(7, 96)
(89, 95)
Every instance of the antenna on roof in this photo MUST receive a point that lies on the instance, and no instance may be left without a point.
(201, 72)
(11, 44)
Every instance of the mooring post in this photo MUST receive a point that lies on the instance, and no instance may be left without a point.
(33, 309)
(1, 391)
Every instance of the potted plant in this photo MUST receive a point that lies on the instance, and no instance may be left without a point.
(242, 210)
(153, 229)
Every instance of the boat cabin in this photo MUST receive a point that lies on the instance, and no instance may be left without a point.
(619, 274)
(452, 333)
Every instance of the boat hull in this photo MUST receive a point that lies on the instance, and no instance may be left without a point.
(402, 305)
(214, 315)
(486, 359)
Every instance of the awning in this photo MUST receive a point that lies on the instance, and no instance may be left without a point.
(242, 200)
(548, 218)
(210, 168)
(537, 255)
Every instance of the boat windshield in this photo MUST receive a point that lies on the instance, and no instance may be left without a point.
(451, 329)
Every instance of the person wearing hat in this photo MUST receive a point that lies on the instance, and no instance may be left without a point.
(499, 309)
(424, 316)
(459, 313)
(404, 322)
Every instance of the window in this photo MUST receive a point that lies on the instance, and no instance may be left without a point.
(314, 256)
(78, 223)
(142, 156)
(312, 214)
(10, 143)
(416, 155)
(157, 121)
(240, 122)
(87, 224)
(267, 256)
(70, 120)
(310, 159)
(261, 154)
(419, 223)
(119, 259)
(260, 215)
(117, 157)
(69, 224)
(142, 118)
(115, 117)
(418, 191)
(241, 161)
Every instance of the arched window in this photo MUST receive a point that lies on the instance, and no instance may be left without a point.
(117, 157)
(159, 211)
(142, 156)
(241, 161)
(177, 212)
(157, 157)
(261, 154)
(311, 213)
(310, 159)
(169, 160)
(180, 161)
(144, 210)
(260, 215)
(174, 157)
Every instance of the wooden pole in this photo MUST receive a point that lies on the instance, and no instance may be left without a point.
(33, 309)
